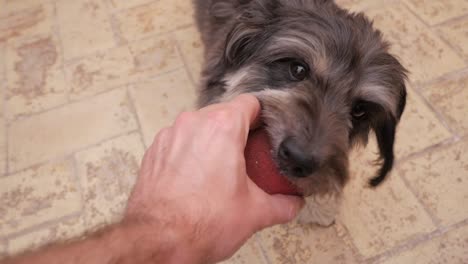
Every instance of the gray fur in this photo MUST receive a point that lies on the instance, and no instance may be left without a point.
(246, 43)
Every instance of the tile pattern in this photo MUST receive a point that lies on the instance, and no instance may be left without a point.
(92, 121)
(107, 173)
(456, 33)
(438, 11)
(378, 220)
(38, 195)
(294, 243)
(439, 180)
(251, 252)
(174, 95)
(35, 79)
(448, 248)
(85, 85)
(85, 27)
(449, 97)
(420, 49)
(3, 141)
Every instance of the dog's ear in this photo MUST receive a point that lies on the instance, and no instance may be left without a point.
(227, 9)
(248, 33)
(385, 131)
(241, 44)
(402, 102)
(223, 10)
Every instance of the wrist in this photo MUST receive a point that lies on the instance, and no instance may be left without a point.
(141, 242)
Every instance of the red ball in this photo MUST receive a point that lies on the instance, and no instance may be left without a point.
(261, 167)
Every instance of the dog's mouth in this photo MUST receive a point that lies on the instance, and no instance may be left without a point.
(262, 167)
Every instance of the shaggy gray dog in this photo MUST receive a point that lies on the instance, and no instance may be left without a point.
(324, 78)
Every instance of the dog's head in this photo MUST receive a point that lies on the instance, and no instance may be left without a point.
(324, 78)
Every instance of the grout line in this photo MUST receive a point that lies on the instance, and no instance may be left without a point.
(432, 30)
(3, 65)
(121, 10)
(415, 242)
(439, 146)
(444, 77)
(343, 234)
(76, 179)
(56, 31)
(137, 118)
(24, 116)
(126, 43)
(457, 74)
(435, 220)
(43, 225)
(4, 123)
(6, 253)
(439, 116)
(257, 241)
(81, 99)
(117, 35)
(184, 60)
(452, 20)
(59, 157)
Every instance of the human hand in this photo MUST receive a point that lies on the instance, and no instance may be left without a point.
(193, 182)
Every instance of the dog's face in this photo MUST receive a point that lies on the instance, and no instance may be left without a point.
(324, 78)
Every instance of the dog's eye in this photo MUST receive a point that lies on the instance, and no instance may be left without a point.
(359, 111)
(298, 71)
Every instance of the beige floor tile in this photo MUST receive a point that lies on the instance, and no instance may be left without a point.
(249, 253)
(439, 180)
(418, 117)
(84, 27)
(122, 65)
(37, 195)
(293, 243)
(21, 19)
(107, 174)
(450, 97)
(438, 11)
(3, 248)
(35, 78)
(457, 34)
(66, 129)
(448, 248)
(361, 5)
(3, 144)
(16, 6)
(420, 50)
(379, 219)
(192, 50)
(153, 18)
(2, 66)
(58, 232)
(159, 101)
(124, 4)
(155, 55)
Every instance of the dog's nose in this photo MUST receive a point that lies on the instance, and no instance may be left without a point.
(298, 161)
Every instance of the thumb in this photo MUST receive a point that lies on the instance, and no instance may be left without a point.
(281, 209)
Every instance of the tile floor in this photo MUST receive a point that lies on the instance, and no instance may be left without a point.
(85, 84)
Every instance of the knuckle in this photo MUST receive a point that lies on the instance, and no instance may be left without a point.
(185, 117)
(224, 119)
(162, 134)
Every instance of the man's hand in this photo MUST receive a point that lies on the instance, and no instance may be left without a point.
(193, 181)
(193, 201)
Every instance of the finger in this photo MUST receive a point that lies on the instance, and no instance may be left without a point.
(246, 105)
(159, 147)
(280, 209)
(249, 108)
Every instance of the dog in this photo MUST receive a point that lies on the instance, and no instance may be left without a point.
(324, 77)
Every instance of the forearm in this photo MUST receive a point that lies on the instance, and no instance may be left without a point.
(120, 244)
